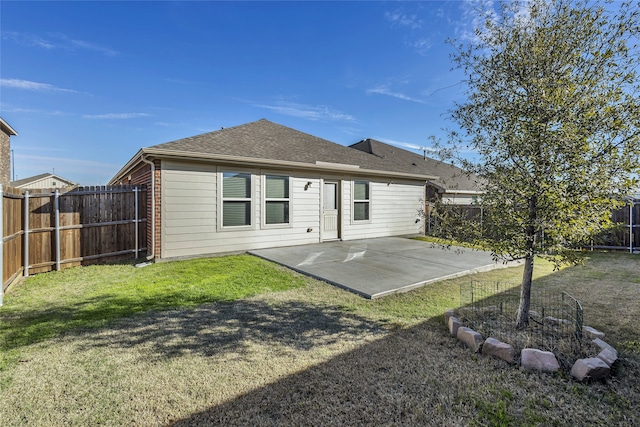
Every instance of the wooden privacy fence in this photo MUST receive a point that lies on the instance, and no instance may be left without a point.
(45, 230)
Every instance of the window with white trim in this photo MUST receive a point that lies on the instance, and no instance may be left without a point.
(276, 199)
(236, 199)
(361, 201)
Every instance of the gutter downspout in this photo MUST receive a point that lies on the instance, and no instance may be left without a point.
(151, 255)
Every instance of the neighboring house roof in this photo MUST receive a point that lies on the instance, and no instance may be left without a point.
(266, 143)
(25, 182)
(451, 179)
(4, 126)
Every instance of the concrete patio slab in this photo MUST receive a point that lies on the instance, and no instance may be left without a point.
(374, 268)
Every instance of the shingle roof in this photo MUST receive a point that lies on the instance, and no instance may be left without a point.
(6, 128)
(263, 139)
(450, 177)
(23, 181)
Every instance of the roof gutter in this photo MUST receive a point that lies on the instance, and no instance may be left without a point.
(127, 167)
(252, 161)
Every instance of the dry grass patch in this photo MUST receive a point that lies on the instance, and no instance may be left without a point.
(316, 355)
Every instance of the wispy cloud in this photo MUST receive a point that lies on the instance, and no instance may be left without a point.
(421, 45)
(402, 19)
(418, 36)
(305, 111)
(407, 145)
(385, 90)
(34, 86)
(115, 116)
(474, 15)
(57, 41)
(75, 44)
(26, 39)
(9, 109)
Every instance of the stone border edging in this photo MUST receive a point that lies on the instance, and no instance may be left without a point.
(592, 368)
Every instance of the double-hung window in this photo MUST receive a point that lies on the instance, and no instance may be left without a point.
(361, 201)
(276, 199)
(236, 199)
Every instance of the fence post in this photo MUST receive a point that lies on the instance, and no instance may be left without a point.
(26, 233)
(1, 245)
(630, 226)
(56, 204)
(135, 195)
(579, 321)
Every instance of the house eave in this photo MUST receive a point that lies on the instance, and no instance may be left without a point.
(127, 167)
(257, 162)
(7, 128)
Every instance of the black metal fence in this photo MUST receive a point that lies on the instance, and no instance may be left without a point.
(468, 222)
(555, 318)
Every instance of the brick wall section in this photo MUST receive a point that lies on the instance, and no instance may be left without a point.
(142, 176)
(158, 202)
(5, 159)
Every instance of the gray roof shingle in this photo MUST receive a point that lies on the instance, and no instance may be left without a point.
(28, 180)
(263, 139)
(450, 177)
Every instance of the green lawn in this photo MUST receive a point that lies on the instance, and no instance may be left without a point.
(240, 341)
(48, 305)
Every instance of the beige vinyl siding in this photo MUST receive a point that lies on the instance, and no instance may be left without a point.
(188, 207)
(47, 182)
(394, 210)
(191, 200)
(190, 225)
(304, 208)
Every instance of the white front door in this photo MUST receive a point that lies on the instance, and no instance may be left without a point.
(330, 211)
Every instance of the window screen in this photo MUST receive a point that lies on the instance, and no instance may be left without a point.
(236, 199)
(276, 199)
(361, 201)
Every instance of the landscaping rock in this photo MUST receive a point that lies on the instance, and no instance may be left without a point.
(538, 360)
(471, 338)
(590, 332)
(447, 315)
(454, 324)
(607, 356)
(592, 368)
(603, 345)
(499, 349)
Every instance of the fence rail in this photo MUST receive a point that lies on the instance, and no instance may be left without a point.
(45, 230)
(555, 318)
(470, 220)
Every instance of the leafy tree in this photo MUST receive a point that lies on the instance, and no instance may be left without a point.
(553, 113)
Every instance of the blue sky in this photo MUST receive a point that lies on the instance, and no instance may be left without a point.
(87, 84)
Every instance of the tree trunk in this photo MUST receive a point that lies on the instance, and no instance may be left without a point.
(525, 294)
(527, 277)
